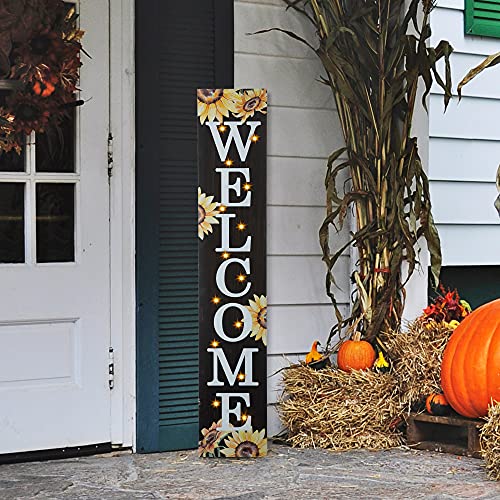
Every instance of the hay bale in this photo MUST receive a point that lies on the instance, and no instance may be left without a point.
(333, 409)
(490, 442)
(416, 356)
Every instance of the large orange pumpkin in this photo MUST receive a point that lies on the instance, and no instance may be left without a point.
(470, 373)
(356, 354)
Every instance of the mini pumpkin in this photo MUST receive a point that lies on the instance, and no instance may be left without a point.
(437, 404)
(356, 354)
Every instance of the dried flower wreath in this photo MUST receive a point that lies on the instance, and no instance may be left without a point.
(39, 66)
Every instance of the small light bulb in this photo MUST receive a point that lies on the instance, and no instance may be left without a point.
(222, 208)
(241, 226)
(238, 324)
(241, 278)
(216, 300)
(214, 343)
(255, 138)
(226, 255)
(241, 376)
(215, 403)
(247, 187)
(244, 417)
(228, 162)
(222, 128)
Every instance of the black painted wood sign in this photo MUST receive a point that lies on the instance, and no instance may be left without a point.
(232, 272)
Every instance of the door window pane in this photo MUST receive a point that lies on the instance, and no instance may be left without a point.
(12, 161)
(55, 222)
(11, 222)
(55, 149)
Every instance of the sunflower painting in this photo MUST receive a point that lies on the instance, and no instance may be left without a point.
(250, 102)
(215, 104)
(246, 444)
(209, 445)
(258, 311)
(207, 210)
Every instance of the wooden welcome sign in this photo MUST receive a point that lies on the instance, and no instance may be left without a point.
(232, 272)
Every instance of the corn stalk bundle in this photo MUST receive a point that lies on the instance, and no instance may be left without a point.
(375, 53)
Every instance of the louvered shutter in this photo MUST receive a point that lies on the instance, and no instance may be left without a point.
(482, 17)
(188, 51)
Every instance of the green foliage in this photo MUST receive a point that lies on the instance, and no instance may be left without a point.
(375, 53)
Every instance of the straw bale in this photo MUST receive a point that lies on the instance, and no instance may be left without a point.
(490, 442)
(332, 409)
(416, 356)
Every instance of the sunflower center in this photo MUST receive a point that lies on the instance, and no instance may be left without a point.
(211, 437)
(209, 96)
(247, 449)
(262, 317)
(40, 45)
(251, 104)
(201, 214)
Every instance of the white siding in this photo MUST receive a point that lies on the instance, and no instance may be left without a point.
(303, 131)
(464, 147)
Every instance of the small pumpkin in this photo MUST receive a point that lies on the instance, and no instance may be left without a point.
(470, 372)
(356, 354)
(437, 404)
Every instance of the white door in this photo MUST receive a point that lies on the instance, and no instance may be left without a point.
(54, 272)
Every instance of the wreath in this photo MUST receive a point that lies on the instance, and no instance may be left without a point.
(40, 46)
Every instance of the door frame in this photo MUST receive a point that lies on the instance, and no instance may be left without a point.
(122, 220)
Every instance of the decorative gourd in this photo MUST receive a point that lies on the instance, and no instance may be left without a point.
(381, 365)
(356, 354)
(313, 354)
(437, 404)
(470, 372)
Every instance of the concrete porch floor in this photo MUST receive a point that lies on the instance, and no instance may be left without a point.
(285, 474)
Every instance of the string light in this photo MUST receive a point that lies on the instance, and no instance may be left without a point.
(226, 255)
(241, 226)
(214, 343)
(238, 324)
(222, 128)
(241, 376)
(244, 417)
(247, 187)
(228, 162)
(255, 138)
(215, 403)
(216, 300)
(223, 208)
(241, 278)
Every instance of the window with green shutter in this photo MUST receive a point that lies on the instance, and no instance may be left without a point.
(482, 17)
(180, 46)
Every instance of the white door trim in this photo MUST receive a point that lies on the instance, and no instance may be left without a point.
(122, 214)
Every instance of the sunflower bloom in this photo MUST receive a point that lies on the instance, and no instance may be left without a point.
(207, 210)
(246, 444)
(250, 102)
(258, 311)
(215, 104)
(211, 439)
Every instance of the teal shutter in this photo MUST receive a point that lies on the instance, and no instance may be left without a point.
(179, 48)
(482, 18)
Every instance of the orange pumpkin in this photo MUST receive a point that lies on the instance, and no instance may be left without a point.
(470, 372)
(356, 354)
(437, 404)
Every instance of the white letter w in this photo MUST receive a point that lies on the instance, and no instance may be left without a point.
(234, 134)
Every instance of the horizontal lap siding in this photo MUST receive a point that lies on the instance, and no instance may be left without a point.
(303, 131)
(464, 150)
